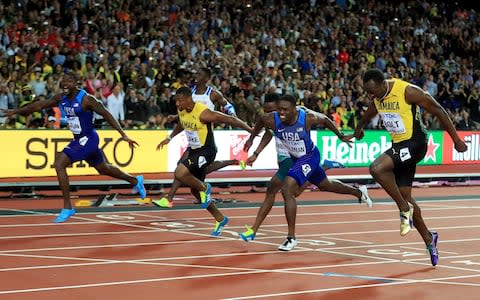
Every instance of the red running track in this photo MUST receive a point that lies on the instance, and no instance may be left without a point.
(345, 251)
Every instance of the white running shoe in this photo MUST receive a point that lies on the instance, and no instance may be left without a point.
(365, 198)
(288, 245)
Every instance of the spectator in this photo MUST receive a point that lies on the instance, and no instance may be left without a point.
(303, 47)
(116, 102)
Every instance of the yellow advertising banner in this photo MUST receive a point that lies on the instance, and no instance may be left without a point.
(30, 153)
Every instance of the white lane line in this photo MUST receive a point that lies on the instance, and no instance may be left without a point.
(424, 249)
(114, 283)
(154, 218)
(344, 288)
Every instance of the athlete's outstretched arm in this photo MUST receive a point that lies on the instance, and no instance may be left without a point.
(256, 130)
(227, 106)
(319, 119)
(266, 138)
(369, 114)
(415, 95)
(176, 130)
(91, 103)
(209, 116)
(34, 106)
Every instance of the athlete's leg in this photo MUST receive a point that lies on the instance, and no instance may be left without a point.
(289, 188)
(381, 170)
(384, 172)
(212, 208)
(331, 164)
(62, 161)
(418, 221)
(113, 171)
(218, 164)
(184, 176)
(176, 184)
(273, 187)
(167, 202)
(336, 186)
(429, 237)
(220, 219)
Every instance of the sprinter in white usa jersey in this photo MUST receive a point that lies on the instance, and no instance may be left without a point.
(206, 94)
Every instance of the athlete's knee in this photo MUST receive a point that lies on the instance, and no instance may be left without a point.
(60, 163)
(299, 191)
(103, 168)
(180, 172)
(288, 191)
(375, 169)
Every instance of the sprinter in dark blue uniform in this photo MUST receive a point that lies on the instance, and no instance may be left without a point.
(79, 108)
(291, 125)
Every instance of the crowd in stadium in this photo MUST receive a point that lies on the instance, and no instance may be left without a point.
(133, 55)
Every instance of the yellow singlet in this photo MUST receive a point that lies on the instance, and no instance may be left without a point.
(400, 119)
(198, 134)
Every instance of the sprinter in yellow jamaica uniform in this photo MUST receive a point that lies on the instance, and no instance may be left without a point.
(398, 103)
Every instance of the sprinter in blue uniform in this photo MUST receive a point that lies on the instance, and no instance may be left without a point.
(291, 126)
(79, 108)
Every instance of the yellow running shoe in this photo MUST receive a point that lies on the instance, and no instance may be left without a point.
(163, 203)
(248, 235)
(406, 221)
(242, 164)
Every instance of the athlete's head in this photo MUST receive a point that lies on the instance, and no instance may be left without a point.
(183, 98)
(375, 84)
(270, 102)
(69, 82)
(203, 76)
(287, 109)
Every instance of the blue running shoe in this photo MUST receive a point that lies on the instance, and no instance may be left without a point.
(432, 248)
(206, 196)
(219, 227)
(140, 187)
(332, 164)
(64, 215)
(248, 235)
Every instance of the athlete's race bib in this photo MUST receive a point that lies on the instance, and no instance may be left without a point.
(295, 148)
(393, 123)
(74, 125)
(281, 149)
(193, 139)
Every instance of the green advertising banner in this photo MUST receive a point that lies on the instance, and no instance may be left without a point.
(375, 142)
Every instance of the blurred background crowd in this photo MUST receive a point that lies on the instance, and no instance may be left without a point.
(134, 54)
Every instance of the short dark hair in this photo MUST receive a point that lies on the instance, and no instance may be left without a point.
(271, 97)
(374, 74)
(288, 98)
(206, 71)
(184, 91)
(74, 75)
